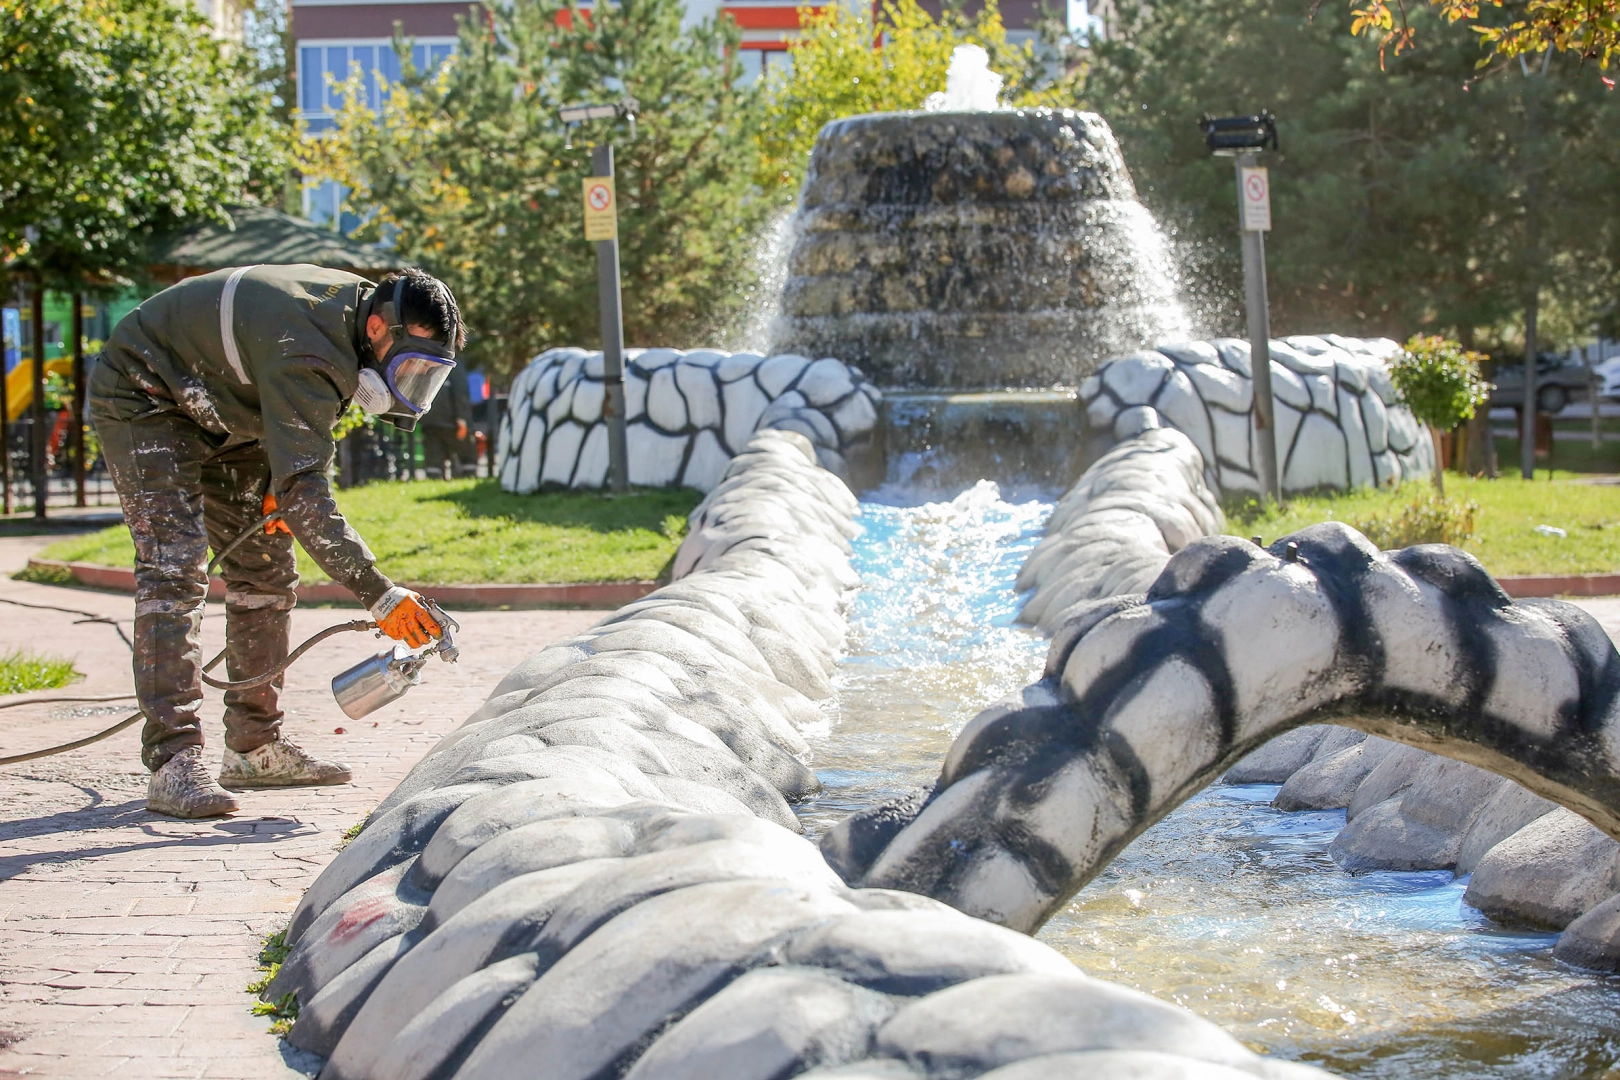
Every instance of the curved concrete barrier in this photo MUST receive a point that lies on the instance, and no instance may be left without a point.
(600, 875)
(1149, 698)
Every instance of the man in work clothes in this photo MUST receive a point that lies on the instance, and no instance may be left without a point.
(445, 430)
(214, 402)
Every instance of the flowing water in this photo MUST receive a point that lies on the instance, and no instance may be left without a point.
(1227, 907)
(931, 642)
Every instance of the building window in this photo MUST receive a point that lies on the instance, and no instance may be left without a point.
(324, 65)
(759, 63)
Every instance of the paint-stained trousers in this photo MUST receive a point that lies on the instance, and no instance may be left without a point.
(183, 492)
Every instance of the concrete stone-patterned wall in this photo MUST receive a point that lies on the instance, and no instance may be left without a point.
(1339, 423)
(687, 413)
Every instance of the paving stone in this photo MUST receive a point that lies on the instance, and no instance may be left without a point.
(127, 940)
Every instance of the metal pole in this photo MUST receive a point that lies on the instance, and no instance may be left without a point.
(37, 407)
(607, 278)
(5, 415)
(76, 418)
(1259, 306)
(1593, 385)
(1527, 434)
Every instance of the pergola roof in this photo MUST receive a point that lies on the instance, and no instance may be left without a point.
(263, 235)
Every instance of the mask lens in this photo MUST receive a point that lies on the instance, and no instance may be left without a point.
(416, 377)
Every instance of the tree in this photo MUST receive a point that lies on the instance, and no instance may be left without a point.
(1418, 199)
(473, 174)
(1589, 29)
(1439, 381)
(118, 118)
(845, 65)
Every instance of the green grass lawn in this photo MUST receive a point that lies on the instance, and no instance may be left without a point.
(22, 670)
(453, 532)
(1504, 536)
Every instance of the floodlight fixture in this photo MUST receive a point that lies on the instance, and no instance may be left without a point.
(576, 114)
(1227, 136)
(581, 113)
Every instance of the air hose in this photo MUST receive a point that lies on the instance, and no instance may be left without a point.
(221, 684)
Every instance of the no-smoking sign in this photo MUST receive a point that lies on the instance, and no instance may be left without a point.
(1255, 186)
(601, 217)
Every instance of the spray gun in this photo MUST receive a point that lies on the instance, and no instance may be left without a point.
(378, 680)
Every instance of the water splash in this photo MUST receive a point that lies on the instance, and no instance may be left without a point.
(970, 85)
(1145, 304)
(931, 641)
(985, 249)
(758, 322)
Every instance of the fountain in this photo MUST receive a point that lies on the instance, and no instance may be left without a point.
(974, 250)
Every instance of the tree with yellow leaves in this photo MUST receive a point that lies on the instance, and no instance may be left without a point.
(844, 64)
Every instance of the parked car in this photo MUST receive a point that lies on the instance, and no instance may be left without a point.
(1609, 376)
(1559, 381)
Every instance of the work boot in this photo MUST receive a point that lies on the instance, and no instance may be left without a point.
(282, 763)
(182, 788)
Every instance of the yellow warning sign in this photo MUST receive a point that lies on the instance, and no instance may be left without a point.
(601, 213)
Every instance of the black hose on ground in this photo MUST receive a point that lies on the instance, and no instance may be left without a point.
(75, 744)
(221, 684)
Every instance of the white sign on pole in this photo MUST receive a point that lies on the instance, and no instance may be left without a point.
(1256, 187)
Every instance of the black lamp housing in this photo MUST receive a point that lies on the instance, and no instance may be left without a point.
(1230, 135)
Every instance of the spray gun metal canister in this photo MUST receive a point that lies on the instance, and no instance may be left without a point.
(384, 678)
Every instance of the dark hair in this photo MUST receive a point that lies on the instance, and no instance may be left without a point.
(425, 301)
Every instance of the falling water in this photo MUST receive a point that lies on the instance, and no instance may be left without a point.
(757, 324)
(981, 249)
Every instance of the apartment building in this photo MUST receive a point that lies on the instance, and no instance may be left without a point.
(334, 38)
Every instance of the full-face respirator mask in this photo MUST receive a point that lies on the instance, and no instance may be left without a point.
(407, 378)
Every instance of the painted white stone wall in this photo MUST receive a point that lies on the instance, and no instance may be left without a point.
(687, 415)
(1338, 424)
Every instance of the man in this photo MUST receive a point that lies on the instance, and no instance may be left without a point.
(444, 431)
(214, 402)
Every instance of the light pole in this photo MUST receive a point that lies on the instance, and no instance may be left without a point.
(1243, 137)
(602, 225)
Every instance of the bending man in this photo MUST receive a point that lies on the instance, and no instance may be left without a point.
(215, 402)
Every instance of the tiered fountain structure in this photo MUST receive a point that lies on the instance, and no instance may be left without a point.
(977, 264)
(973, 250)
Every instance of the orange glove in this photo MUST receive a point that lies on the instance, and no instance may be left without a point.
(403, 615)
(277, 525)
(461, 430)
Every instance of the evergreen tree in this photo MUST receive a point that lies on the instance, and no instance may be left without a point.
(1421, 198)
(473, 174)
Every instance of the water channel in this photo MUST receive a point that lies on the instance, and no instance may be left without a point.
(1227, 907)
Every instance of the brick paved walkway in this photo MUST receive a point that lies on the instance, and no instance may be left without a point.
(126, 939)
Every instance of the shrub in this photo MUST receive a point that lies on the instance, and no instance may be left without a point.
(1439, 381)
(1429, 519)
